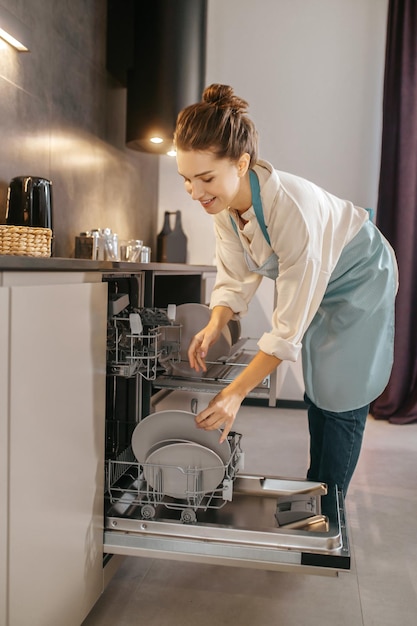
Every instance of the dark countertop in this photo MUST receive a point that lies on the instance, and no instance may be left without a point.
(56, 264)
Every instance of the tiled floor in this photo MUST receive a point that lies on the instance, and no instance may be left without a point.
(380, 589)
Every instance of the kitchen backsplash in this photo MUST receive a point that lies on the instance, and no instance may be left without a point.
(62, 117)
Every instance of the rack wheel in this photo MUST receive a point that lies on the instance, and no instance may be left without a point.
(188, 516)
(147, 511)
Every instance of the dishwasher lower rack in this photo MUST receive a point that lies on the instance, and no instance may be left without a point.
(133, 484)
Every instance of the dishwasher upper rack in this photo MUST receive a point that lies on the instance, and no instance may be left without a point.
(127, 486)
(138, 339)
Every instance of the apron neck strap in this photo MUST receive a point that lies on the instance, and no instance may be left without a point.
(257, 204)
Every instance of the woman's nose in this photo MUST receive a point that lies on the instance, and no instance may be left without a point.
(196, 191)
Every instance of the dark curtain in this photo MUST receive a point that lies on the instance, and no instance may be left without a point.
(397, 204)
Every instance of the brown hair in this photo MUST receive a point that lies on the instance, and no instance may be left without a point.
(218, 123)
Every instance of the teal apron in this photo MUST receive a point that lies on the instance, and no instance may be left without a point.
(347, 350)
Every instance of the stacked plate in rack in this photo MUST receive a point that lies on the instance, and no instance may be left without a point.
(179, 459)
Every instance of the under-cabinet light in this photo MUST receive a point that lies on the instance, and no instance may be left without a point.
(13, 31)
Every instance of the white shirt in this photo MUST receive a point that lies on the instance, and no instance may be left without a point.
(308, 229)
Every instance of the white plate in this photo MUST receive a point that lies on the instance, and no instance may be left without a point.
(179, 466)
(165, 442)
(175, 425)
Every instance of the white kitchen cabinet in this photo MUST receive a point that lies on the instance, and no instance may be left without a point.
(52, 377)
(4, 487)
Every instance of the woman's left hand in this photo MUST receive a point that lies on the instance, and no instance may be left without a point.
(222, 410)
(220, 413)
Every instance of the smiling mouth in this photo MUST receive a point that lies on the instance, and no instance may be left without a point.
(206, 203)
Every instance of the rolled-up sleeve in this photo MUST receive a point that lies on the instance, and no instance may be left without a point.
(301, 290)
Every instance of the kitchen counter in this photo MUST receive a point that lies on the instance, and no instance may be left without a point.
(57, 264)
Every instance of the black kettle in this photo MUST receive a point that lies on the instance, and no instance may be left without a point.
(29, 202)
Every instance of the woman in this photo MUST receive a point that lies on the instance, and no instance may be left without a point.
(335, 274)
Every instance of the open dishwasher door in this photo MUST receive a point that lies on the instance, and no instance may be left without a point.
(249, 521)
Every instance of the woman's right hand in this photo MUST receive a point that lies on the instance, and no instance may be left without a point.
(198, 348)
(201, 342)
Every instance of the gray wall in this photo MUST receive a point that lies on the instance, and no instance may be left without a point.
(62, 117)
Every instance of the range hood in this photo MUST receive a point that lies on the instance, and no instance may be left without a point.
(156, 49)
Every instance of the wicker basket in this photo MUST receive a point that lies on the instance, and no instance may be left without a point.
(25, 241)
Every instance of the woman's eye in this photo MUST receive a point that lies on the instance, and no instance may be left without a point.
(207, 180)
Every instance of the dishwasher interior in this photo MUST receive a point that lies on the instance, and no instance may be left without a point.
(214, 512)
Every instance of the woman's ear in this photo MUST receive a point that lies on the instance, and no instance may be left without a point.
(243, 164)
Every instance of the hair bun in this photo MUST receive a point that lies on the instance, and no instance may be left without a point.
(223, 96)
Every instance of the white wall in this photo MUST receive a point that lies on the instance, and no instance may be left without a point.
(312, 72)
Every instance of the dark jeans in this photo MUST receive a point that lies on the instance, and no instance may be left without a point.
(335, 443)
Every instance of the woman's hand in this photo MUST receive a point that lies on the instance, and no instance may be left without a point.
(201, 342)
(221, 412)
(198, 348)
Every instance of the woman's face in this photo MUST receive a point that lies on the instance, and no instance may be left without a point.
(215, 183)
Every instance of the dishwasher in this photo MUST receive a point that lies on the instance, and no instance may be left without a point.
(161, 507)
